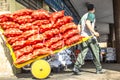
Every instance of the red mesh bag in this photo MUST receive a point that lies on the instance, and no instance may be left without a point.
(23, 51)
(28, 26)
(67, 27)
(19, 44)
(23, 19)
(42, 51)
(7, 25)
(38, 45)
(62, 21)
(5, 18)
(35, 39)
(44, 28)
(70, 33)
(12, 32)
(40, 14)
(54, 16)
(73, 39)
(40, 22)
(50, 33)
(24, 58)
(57, 45)
(53, 40)
(22, 12)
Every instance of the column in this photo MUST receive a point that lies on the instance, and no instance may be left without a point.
(116, 7)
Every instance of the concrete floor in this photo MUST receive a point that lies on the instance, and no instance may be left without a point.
(88, 73)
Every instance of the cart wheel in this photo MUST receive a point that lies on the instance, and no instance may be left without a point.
(40, 69)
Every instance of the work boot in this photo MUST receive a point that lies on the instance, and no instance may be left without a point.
(76, 71)
(100, 71)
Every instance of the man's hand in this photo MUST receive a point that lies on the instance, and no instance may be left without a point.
(96, 34)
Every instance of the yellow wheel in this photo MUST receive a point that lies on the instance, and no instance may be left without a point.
(40, 69)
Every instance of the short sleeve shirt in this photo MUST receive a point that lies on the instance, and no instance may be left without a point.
(91, 17)
(88, 16)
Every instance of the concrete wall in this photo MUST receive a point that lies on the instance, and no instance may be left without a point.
(14, 6)
(6, 64)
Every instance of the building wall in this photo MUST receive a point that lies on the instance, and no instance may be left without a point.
(7, 68)
(13, 5)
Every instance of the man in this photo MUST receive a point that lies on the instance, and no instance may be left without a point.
(86, 27)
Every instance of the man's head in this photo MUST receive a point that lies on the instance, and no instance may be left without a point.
(90, 7)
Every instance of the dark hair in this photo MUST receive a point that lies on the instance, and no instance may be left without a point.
(89, 6)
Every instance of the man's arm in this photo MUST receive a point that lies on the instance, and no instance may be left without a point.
(89, 25)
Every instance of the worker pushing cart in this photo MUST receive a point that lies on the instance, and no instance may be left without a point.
(86, 25)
